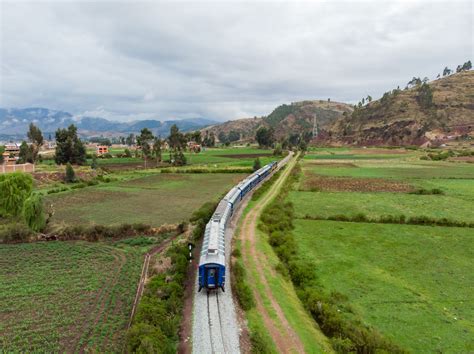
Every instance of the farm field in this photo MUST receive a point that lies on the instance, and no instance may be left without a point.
(153, 199)
(412, 283)
(66, 296)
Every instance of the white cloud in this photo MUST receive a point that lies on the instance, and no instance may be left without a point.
(219, 60)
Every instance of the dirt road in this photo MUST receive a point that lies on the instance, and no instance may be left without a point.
(283, 335)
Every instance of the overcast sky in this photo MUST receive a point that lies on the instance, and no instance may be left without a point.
(220, 60)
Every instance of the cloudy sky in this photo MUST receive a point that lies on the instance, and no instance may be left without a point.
(222, 60)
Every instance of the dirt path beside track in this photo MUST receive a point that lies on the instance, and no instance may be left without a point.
(283, 335)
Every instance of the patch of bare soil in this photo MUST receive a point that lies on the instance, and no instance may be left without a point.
(349, 184)
(380, 151)
(243, 156)
(330, 164)
(462, 159)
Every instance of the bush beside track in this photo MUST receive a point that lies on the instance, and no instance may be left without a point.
(327, 309)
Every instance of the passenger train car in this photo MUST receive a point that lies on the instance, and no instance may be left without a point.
(212, 261)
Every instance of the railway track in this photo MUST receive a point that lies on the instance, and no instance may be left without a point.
(215, 325)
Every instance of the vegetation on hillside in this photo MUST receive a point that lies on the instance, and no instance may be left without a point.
(404, 117)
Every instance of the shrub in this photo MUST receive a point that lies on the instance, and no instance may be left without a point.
(94, 162)
(241, 289)
(259, 342)
(257, 164)
(70, 174)
(33, 212)
(423, 191)
(15, 188)
(15, 232)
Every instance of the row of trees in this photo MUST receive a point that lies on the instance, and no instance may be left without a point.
(464, 67)
(151, 146)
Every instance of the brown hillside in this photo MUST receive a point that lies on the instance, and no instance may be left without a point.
(296, 117)
(246, 127)
(402, 118)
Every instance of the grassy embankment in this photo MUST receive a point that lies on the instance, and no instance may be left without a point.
(281, 288)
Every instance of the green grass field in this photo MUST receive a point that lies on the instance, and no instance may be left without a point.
(153, 199)
(412, 283)
(66, 296)
(374, 205)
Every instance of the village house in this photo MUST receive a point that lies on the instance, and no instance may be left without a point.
(101, 149)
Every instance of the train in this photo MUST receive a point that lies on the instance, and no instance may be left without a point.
(212, 257)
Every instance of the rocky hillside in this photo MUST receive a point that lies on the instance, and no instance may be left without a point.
(437, 111)
(294, 118)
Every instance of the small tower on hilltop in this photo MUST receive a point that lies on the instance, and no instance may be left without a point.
(315, 126)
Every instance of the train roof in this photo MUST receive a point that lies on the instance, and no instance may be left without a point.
(213, 246)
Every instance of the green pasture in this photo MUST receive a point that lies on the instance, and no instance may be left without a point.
(66, 296)
(153, 199)
(412, 283)
(374, 205)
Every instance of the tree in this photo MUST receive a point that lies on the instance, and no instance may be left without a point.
(197, 137)
(278, 151)
(209, 139)
(233, 136)
(425, 96)
(26, 153)
(264, 136)
(177, 143)
(176, 138)
(222, 137)
(467, 66)
(130, 140)
(414, 82)
(70, 174)
(2, 150)
(36, 138)
(69, 148)
(446, 71)
(257, 164)
(369, 98)
(156, 150)
(94, 162)
(33, 212)
(144, 140)
(127, 153)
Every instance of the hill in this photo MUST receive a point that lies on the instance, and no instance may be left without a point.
(14, 123)
(426, 113)
(294, 118)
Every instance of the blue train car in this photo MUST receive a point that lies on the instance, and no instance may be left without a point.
(212, 262)
(212, 268)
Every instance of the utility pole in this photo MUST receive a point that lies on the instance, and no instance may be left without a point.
(315, 126)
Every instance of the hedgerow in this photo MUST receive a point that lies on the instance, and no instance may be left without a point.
(346, 334)
(394, 219)
(156, 323)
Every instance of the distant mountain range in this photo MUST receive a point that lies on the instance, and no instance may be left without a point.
(14, 124)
